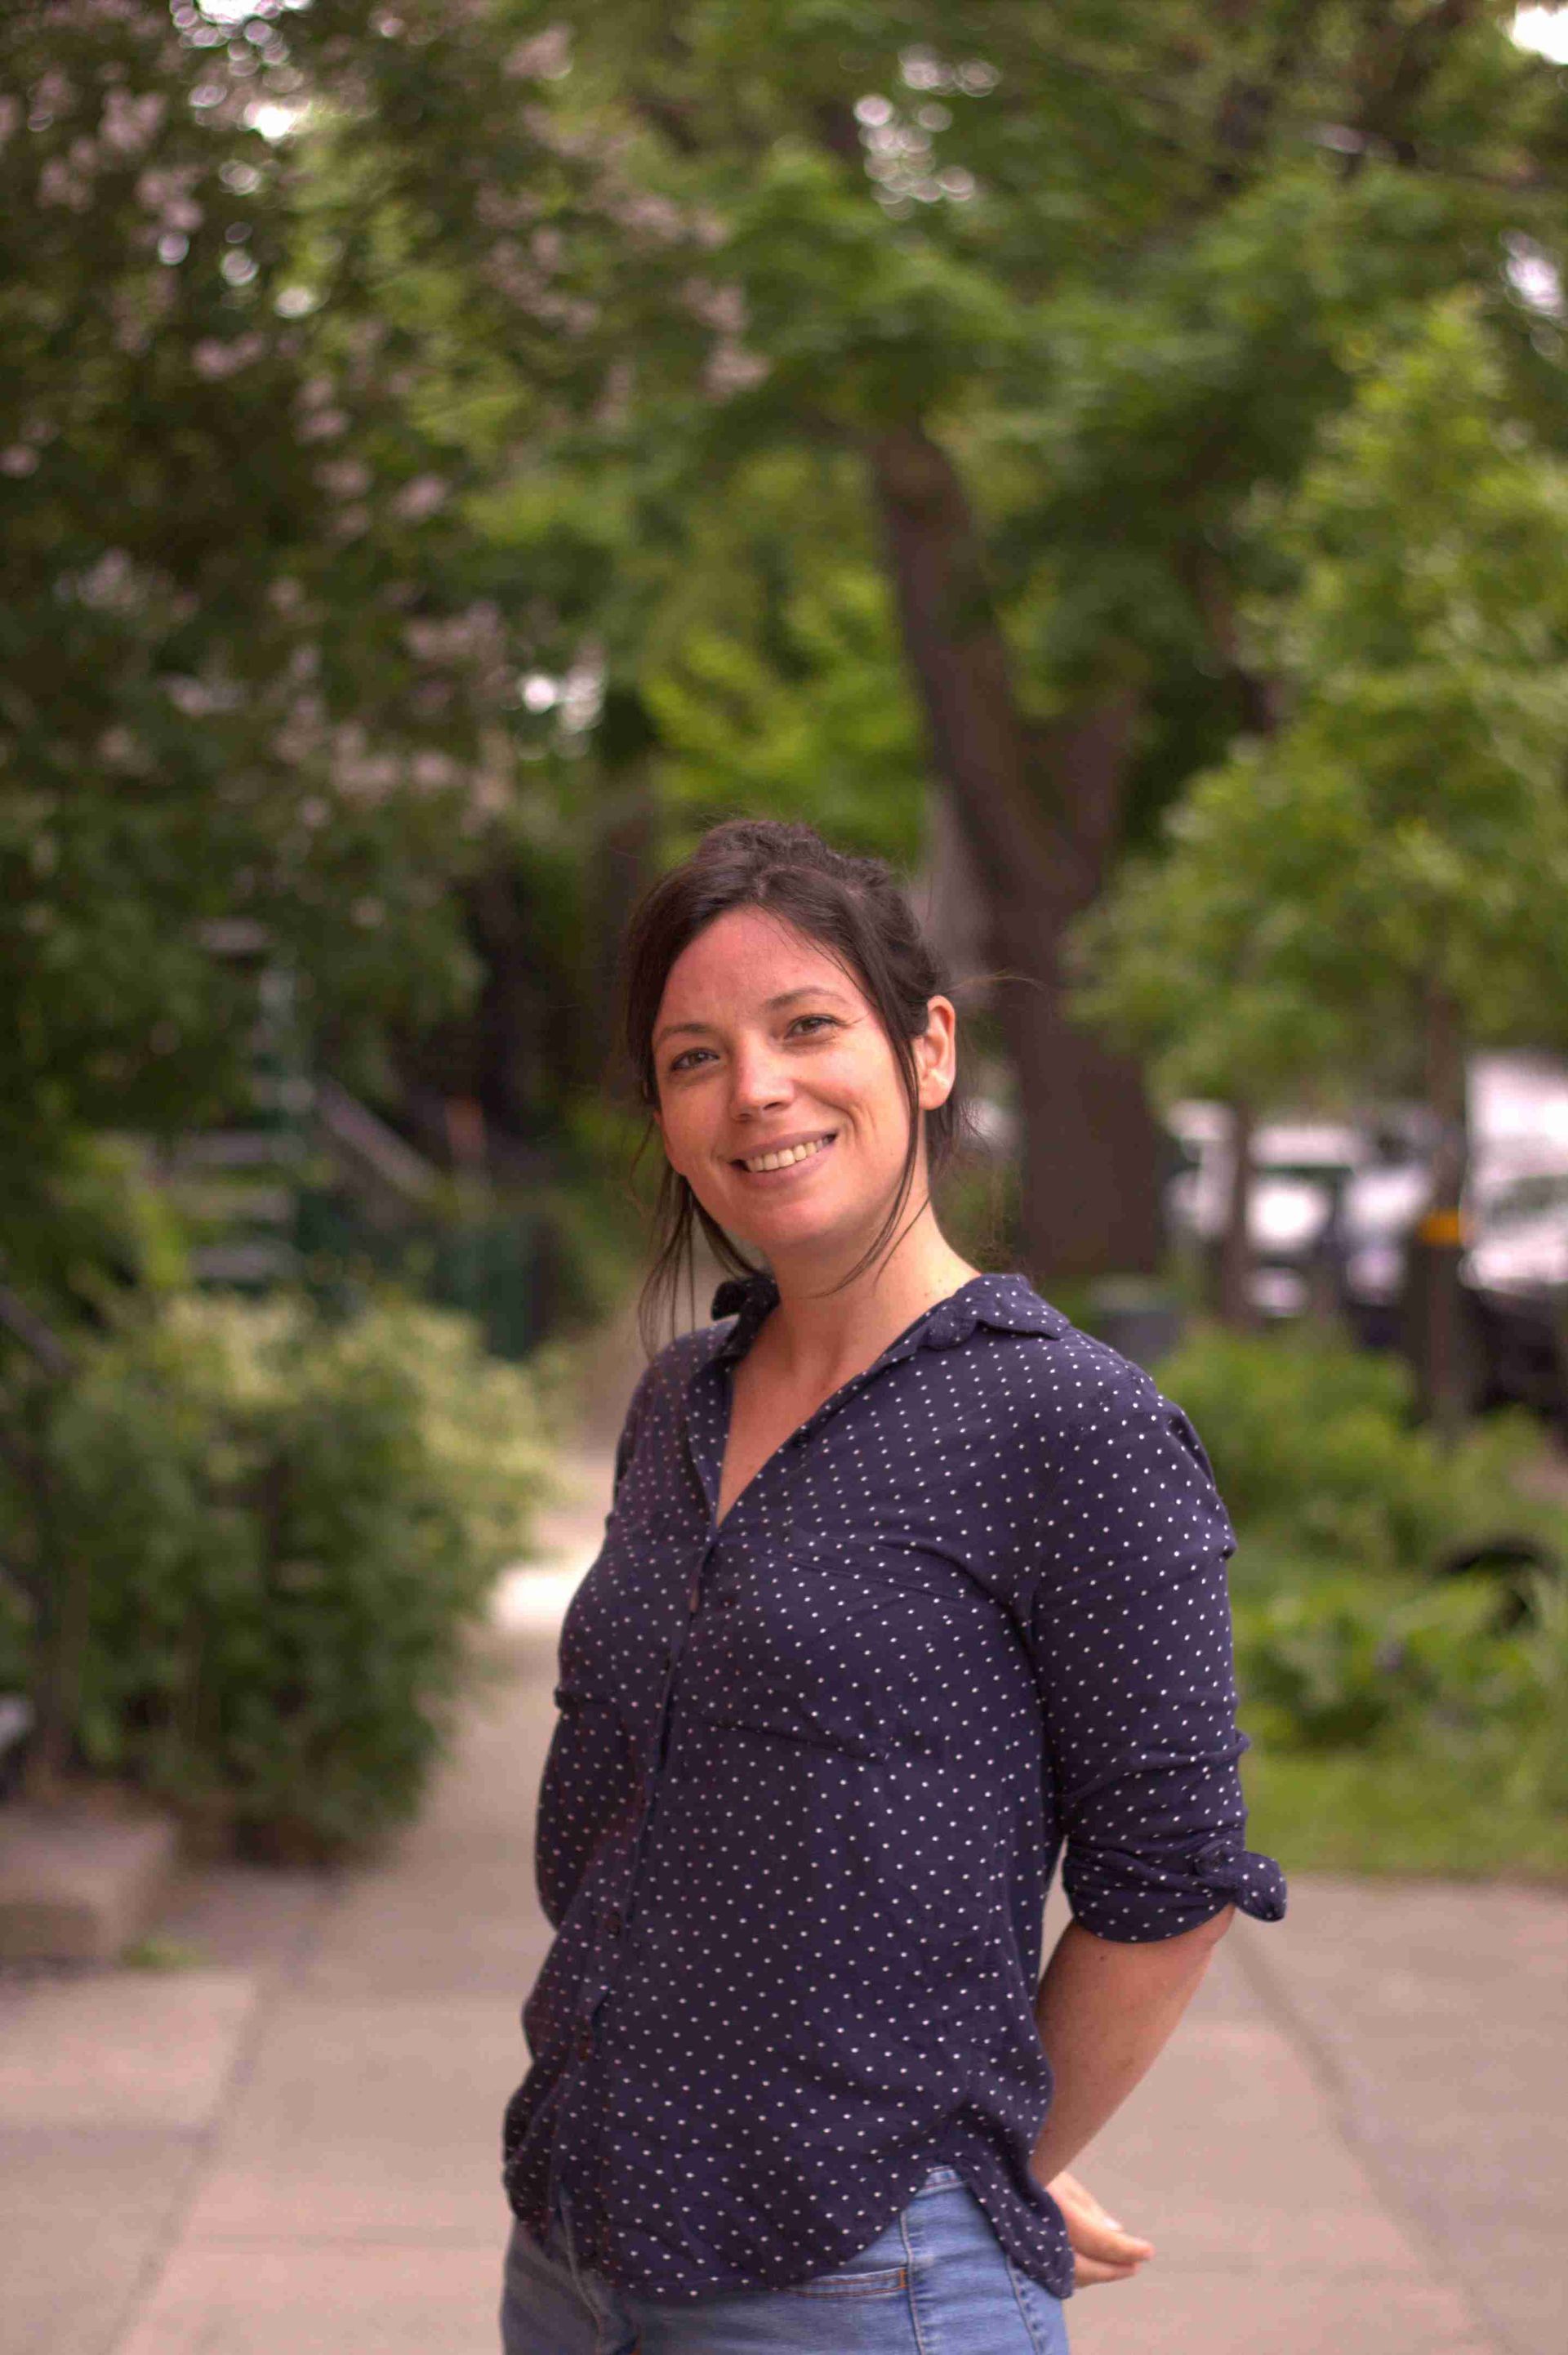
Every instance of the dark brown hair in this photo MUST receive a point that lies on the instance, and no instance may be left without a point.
(854, 909)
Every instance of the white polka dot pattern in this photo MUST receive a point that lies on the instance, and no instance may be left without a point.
(814, 1769)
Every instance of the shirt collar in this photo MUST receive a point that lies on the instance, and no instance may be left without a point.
(1006, 1303)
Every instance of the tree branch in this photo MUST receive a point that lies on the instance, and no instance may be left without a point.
(1251, 102)
(1403, 63)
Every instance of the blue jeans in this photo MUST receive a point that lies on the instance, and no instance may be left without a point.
(937, 2281)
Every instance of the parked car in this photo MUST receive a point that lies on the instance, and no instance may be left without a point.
(1301, 1171)
(1385, 1197)
(1516, 1270)
(1518, 1114)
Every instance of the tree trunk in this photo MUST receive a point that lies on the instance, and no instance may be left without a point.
(1040, 811)
(1442, 1335)
(515, 1034)
(1233, 1302)
(624, 856)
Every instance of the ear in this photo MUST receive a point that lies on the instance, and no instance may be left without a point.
(937, 1053)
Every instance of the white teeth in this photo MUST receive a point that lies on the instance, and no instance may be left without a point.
(790, 1155)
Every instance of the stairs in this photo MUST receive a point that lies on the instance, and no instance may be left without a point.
(238, 1186)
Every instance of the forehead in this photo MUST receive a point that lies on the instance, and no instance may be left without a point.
(743, 958)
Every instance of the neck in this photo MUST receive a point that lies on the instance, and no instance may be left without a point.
(820, 1337)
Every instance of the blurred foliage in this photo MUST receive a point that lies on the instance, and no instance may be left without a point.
(976, 1206)
(437, 445)
(1407, 1731)
(775, 679)
(1337, 1666)
(241, 672)
(1418, 1810)
(97, 1228)
(429, 433)
(285, 1526)
(1320, 1459)
(1404, 834)
(1400, 1610)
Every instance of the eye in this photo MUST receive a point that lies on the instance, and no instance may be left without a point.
(802, 1025)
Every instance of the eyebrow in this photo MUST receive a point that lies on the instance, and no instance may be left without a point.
(770, 1006)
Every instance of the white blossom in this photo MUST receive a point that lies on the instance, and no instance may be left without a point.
(731, 368)
(545, 57)
(129, 123)
(323, 424)
(214, 360)
(345, 478)
(111, 584)
(53, 93)
(716, 306)
(60, 184)
(198, 697)
(433, 771)
(419, 497)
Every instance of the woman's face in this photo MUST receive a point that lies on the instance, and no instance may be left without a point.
(763, 1048)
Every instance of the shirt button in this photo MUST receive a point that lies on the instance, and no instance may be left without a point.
(613, 1920)
(584, 2042)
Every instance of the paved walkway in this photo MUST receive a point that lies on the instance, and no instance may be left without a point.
(1357, 2143)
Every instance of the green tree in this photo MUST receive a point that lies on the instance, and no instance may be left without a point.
(1392, 865)
(1053, 292)
(251, 661)
(1205, 959)
(1063, 289)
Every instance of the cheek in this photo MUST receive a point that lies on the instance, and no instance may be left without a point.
(679, 1132)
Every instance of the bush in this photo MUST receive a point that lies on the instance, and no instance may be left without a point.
(284, 1527)
(1316, 1450)
(1404, 1720)
(1341, 1667)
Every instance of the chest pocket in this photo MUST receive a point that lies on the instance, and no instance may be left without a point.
(823, 1656)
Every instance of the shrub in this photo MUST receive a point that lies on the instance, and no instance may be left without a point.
(1316, 1451)
(285, 1526)
(1336, 1665)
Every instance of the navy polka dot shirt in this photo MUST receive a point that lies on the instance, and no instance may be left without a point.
(812, 1773)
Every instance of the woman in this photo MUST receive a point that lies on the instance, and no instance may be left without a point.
(908, 1587)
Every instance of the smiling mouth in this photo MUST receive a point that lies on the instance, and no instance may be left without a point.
(792, 1155)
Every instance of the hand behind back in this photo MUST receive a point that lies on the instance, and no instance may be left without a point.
(1102, 2250)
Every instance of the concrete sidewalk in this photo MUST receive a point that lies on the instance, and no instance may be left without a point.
(1357, 2143)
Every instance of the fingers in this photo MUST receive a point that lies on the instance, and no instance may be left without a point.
(1109, 2243)
(1088, 2273)
(1103, 2249)
(1103, 2252)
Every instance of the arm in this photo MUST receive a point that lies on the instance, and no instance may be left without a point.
(1129, 1628)
(1105, 2011)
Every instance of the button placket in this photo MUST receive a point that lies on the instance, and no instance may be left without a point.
(615, 1920)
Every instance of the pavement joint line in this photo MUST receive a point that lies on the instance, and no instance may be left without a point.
(272, 1992)
(1340, 2102)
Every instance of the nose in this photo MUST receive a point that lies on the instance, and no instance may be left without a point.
(758, 1082)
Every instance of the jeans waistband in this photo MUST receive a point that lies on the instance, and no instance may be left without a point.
(561, 2239)
(938, 2178)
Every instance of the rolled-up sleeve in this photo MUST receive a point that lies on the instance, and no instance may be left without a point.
(1130, 1625)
